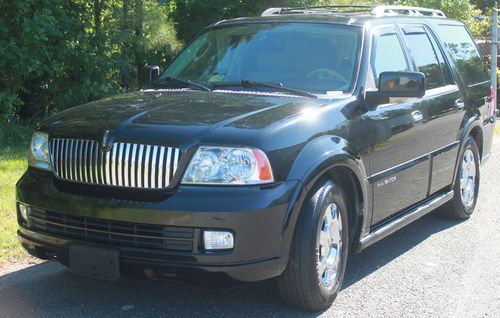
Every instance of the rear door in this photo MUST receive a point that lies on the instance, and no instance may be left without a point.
(442, 107)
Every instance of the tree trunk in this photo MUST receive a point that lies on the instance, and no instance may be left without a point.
(139, 41)
(98, 7)
(126, 48)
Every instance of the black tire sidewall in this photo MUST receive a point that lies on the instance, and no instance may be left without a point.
(314, 212)
(467, 211)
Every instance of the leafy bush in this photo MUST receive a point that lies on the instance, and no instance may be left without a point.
(56, 54)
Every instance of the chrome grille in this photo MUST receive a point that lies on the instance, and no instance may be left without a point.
(124, 165)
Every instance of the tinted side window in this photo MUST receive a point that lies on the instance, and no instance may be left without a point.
(464, 52)
(424, 56)
(388, 55)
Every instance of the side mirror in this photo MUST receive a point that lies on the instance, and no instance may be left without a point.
(401, 84)
(150, 74)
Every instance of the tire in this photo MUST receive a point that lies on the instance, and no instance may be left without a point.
(462, 205)
(302, 285)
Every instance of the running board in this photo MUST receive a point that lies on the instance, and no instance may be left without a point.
(404, 220)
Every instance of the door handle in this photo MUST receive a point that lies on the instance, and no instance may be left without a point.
(417, 117)
(459, 104)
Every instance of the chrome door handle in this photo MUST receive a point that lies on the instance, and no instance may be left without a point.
(417, 117)
(459, 104)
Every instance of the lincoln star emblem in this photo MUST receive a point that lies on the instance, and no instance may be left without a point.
(105, 140)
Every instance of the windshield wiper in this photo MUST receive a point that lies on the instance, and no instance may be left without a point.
(280, 87)
(189, 83)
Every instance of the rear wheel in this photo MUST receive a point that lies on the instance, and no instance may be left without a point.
(466, 185)
(318, 257)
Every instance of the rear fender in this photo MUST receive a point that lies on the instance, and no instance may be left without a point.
(470, 125)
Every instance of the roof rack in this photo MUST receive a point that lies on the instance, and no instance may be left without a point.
(318, 9)
(410, 11)
(378, 11)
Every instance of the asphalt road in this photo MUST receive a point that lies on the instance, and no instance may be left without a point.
(434, 267)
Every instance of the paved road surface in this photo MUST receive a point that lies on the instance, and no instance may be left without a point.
(433, 267)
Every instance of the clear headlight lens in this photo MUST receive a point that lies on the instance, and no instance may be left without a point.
(227, 165)
(39, 151)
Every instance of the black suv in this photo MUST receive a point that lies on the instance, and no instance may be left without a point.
(271, 147)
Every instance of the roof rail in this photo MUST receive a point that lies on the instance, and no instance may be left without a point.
(317, 9)
(378, 11)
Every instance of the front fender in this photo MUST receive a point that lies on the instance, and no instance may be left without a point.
(316, 158)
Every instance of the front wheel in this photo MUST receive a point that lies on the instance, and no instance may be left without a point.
(466, 186)
(319, 252)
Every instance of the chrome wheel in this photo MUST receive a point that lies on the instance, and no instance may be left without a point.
(330, 246)
(468, 179)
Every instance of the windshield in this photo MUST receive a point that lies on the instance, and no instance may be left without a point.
(318, 58)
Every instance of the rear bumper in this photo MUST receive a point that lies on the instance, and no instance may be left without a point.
(258, 217)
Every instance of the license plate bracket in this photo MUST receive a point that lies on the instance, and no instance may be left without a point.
(94, 262)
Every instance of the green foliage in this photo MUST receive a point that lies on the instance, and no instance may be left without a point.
(56, 54)
(462, 10)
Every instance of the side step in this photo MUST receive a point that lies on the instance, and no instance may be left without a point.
(404, 220)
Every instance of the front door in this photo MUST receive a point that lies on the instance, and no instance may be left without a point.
(399, 166)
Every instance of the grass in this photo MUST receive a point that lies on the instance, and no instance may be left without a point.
(12, 166)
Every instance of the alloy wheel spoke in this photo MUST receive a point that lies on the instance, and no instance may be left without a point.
(329, 245)
(322, 266)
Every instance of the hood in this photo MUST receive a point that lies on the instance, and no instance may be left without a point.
(174, 117)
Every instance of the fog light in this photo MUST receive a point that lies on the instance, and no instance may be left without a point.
(218, 240)
(23, 210)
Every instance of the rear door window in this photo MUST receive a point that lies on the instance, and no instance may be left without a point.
(464, 51)
(427, 57)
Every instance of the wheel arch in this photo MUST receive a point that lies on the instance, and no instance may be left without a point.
(331, 158)
(472, 128)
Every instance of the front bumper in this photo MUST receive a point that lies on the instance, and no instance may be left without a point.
(256, 215)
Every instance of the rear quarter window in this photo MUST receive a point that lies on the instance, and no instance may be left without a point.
(464, 51)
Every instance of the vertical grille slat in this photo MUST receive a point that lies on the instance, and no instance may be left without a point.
(119, 165)
(133, 167)
(80, 158)
(167, 169)
(160, 168)
(146, 167)
(84, 164)
(102, 169)
(139, 166)
(107, 168)
(91, 164)
(96, 163)
(126, 165)
(154, 184)
(113, 165)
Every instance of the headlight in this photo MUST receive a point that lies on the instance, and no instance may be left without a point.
(39, 151)
(225, 165)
